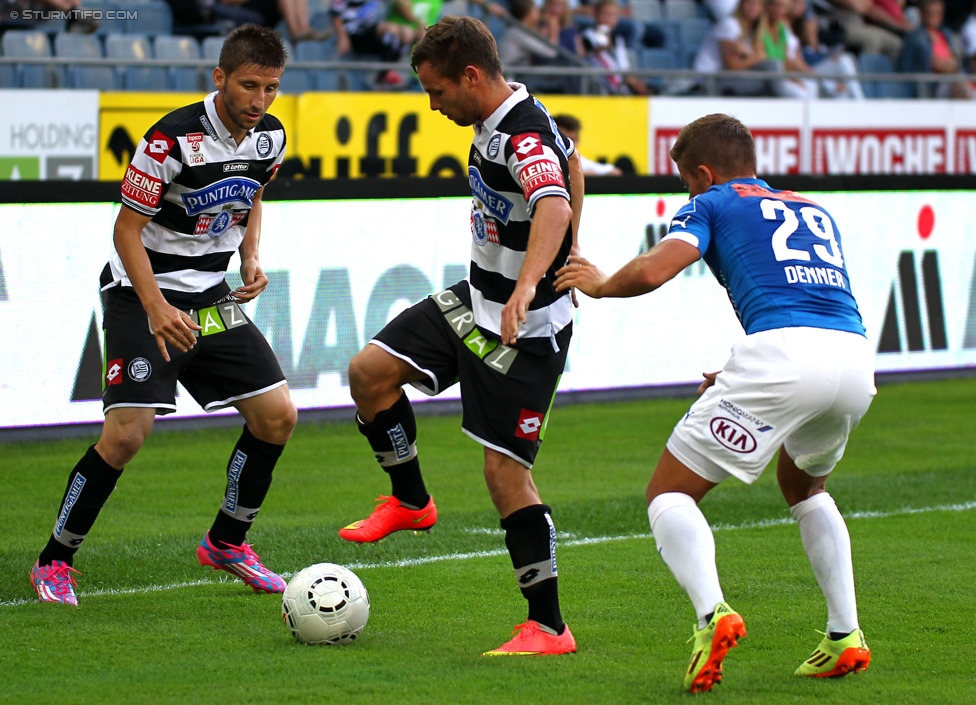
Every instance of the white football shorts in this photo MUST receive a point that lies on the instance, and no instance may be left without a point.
(804, 389)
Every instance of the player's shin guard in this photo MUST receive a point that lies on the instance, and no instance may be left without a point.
(531, 540)
(248, 480)
(91, 482)
(393, 437)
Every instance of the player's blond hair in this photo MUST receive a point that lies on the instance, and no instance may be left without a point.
(718, 141)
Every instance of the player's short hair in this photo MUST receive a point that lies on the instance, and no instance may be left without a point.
(718, 141)
(565, 121)
(252, 45)
(454, 43)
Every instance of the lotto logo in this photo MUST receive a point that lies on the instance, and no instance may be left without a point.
(113, 372)
(529, 425)
(527, 145)
(158, 146)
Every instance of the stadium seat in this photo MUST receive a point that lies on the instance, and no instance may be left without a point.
(181, 78)
(656, 59)
(8, 76)
(211, 48)
(135, 48)
(881, 64)
(297, 81)
(691, 32)
(152, 17)
(23, 43)
(646, 10)
(672, 33)
(325, 50)
(681, 9)
(105, 25)
(85, 46)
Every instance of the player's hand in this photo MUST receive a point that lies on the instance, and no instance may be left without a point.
(172, 326)
(709, 381)
(255, 281)
(580, 274)
(513, 315)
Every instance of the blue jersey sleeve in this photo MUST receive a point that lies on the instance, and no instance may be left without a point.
(777, 253)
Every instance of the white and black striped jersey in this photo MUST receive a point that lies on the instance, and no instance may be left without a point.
(198, 185)
(517, 157)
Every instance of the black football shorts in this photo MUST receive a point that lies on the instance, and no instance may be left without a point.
(230, 361)
(506, 394)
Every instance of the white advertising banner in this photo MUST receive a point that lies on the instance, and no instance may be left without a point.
(48, 134)
(833, 136)
(339, 270)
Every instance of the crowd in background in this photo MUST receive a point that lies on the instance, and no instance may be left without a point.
(789, 48)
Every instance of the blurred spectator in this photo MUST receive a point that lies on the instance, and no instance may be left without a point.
(79, 23)
(533, 43)
(968, 34)
(361, 26)
(720, 9)
(557, 21)
(734, 44)
(861, 33)
(782, 45)
(492, 8)
(891, 14)
(233, 13)
(418, 14)
(570, 126)
(626, 28)
(607, 50)
(933, 48)
(522, 44)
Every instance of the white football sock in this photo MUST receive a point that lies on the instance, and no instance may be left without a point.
(687, 547)
(828, 546)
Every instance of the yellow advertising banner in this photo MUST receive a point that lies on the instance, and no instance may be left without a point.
(364, 134)
(124, 118)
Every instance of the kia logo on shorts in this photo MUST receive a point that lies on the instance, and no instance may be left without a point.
(732, 435)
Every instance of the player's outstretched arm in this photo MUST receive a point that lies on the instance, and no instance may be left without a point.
(641, 275)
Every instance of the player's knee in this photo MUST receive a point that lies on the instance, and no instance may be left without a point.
(369, 377)
(120, 447)
(276, 426)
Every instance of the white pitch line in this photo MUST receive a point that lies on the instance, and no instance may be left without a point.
(563, 543)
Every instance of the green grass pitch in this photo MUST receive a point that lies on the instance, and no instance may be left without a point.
(155, 627)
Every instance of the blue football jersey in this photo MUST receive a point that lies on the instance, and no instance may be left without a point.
(777, 253)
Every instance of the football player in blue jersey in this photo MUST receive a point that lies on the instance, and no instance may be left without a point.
(797, 383)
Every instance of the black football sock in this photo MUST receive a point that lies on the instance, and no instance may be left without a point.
(89, 486)
(531, 540)
(248, 479)
(393, 437)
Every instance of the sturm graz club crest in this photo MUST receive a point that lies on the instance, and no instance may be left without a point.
(139, 369)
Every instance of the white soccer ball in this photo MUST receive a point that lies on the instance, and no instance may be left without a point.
(325, 604)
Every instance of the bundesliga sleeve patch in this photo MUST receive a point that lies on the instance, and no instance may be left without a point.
(158, 146)
(142, 188)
